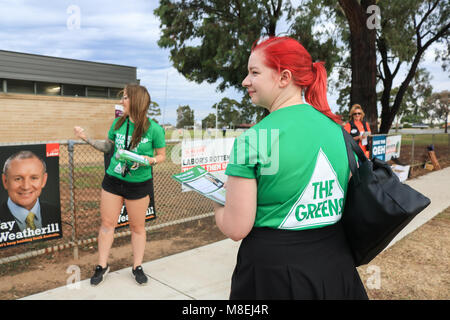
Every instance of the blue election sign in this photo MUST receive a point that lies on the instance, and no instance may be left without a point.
(379, 146)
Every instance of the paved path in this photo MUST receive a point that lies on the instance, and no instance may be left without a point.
(205, 272)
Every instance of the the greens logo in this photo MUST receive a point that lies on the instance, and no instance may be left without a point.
(321, 202)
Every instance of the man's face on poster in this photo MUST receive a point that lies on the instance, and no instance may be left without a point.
(24, 181)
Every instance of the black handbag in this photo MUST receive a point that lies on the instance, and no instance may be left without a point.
(377, 205)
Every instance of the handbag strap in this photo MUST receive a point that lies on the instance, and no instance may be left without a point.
(352, 147)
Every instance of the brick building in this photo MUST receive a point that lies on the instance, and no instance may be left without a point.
(42, 98)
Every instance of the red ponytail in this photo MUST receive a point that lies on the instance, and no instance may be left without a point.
(316, 93)
(284, 53)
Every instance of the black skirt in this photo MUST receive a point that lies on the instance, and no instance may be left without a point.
(307, 264)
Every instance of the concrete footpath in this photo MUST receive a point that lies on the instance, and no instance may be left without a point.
(204, 273)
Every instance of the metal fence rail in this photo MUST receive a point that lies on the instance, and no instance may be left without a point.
(81, 170)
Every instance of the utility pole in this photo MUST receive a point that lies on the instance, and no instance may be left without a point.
(165, 100)
(217, 117)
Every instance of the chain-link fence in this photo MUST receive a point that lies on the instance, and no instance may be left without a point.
(82, 169)
(415, 147)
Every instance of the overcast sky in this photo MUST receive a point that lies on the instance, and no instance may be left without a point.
(125, 33)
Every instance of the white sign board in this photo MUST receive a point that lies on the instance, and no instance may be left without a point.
(393, 144)
(212, 154)
(402, 172)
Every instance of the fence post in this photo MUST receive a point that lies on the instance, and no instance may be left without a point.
(412, 151)
(71, 148)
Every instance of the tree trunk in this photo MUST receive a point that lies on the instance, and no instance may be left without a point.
(446, 122)
(363, 59)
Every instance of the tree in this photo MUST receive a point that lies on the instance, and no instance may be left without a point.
(417, 93)
(363, 58)
(409, 28)
(227, 112)
(153, 110)
(437, 105)
(232, 113)
(307, 26)
(210, 41)
(185, 116)
(249, 113)
(223, 31)
(209, 121)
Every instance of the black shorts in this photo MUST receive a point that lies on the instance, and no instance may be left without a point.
(125, 189)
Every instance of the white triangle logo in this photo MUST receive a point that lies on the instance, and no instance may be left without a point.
(321, 201)
(118, 168)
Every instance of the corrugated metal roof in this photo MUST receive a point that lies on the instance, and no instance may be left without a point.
(25, 66)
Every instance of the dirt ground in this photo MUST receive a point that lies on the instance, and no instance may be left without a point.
(415, 268)
(29, 276)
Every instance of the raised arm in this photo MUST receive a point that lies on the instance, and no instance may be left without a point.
(105, 146)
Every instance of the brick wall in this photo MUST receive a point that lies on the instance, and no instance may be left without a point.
(30, 118)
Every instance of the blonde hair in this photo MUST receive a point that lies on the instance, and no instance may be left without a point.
(139, 102)
(353, 109)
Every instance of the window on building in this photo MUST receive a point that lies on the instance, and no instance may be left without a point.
(1, 85)
(74, 90)
(99, 92)
(53, 89)
(20, 86)
(114, 93)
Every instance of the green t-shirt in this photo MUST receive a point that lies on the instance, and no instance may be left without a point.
(154, 138)
(299, 159)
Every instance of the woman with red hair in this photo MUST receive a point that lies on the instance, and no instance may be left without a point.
(287, 180)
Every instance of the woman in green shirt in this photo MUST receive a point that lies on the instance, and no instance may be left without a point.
(126, 181)
(287, 180)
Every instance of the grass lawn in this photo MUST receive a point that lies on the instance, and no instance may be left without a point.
(425, 139)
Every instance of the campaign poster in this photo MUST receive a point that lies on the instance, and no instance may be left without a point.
(212, 154)
(393, 144)
(118, 110)
(30, 209)
(379, 146)
(123, 217)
